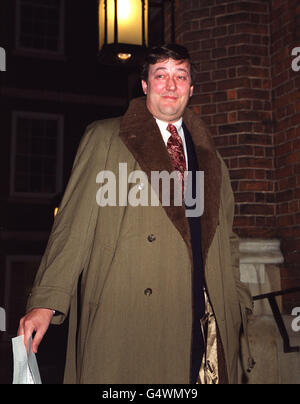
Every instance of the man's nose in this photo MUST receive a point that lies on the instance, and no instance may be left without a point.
(171, 84)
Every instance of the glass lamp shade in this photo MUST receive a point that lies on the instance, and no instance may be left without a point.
(123, 29)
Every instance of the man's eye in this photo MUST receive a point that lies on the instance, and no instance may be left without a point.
(160, 76)
(183, 78)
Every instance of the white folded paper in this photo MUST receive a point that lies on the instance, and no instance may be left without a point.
(26, 369)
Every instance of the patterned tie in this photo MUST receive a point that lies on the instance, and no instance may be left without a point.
(176, 152)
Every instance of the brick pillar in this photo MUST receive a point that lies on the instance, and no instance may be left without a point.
(285, 35)
(229, 43)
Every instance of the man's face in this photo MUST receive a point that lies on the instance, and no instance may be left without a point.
(168, 89)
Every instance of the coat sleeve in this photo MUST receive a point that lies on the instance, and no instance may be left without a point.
(244, 294)
(70, 238)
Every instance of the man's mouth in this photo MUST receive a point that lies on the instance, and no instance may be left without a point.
(169, 97)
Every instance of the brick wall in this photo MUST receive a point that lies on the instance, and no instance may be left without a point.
(285, 35)
(229, 43)
(248, 94)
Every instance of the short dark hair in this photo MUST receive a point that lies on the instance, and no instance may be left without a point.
(160, 53)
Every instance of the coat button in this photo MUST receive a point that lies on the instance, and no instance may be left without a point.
(148, 292)
(151, 238)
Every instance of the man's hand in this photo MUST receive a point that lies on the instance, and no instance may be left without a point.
(37, 320)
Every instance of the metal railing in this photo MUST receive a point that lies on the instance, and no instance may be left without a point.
(287, 348)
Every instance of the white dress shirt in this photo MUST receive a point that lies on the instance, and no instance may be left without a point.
(166, 134)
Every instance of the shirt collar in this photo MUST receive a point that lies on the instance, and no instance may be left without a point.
(163, 125)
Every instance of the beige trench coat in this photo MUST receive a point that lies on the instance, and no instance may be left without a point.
(136, 291)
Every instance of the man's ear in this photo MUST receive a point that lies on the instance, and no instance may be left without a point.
(144, 86)
(191, 90)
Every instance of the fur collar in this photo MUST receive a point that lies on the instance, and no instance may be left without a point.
(142, 137)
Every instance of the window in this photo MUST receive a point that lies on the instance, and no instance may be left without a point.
(36, 165)
(40, 26)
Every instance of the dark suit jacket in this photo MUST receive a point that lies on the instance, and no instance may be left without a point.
(198, 278)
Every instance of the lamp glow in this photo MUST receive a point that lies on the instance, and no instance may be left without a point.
(123, 27)
(125, 9)
(124, 56)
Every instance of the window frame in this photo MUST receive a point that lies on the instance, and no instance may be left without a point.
(59, 165)
(43, 53)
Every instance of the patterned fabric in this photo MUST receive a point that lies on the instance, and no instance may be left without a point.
(209, 370)
(176, 152)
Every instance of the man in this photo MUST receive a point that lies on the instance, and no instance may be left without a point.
(160, 297)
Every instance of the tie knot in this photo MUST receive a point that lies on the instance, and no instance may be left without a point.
(172, 129)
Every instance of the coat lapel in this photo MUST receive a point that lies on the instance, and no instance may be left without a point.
(142, 137)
